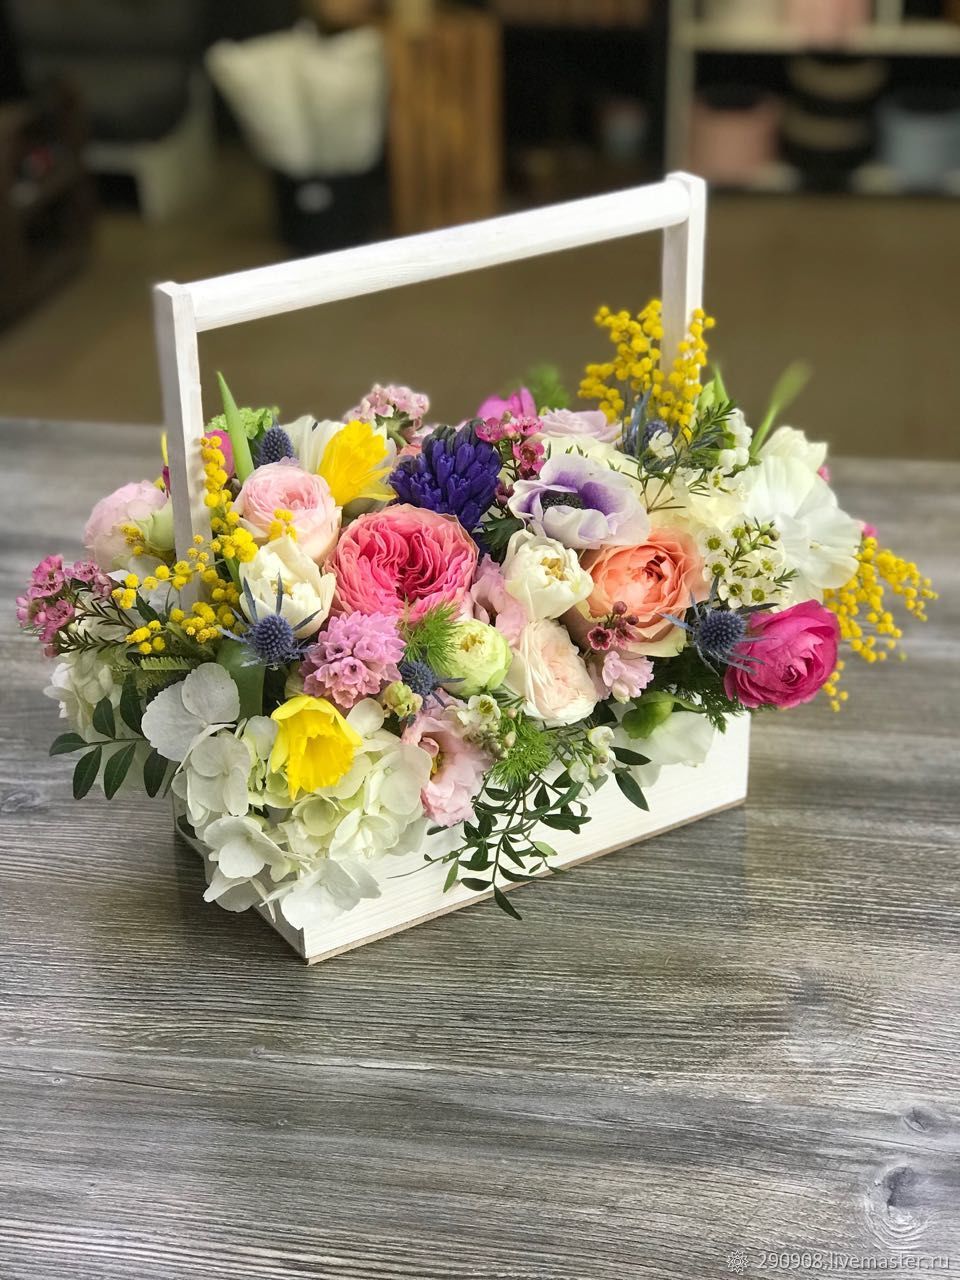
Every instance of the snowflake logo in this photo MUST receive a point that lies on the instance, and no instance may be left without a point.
(737, 1262)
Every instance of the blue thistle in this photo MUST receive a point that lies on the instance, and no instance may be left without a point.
(456, 474)
(419, 676)
(272, 640)
(274, 446)
(718, 632)
(653, 428)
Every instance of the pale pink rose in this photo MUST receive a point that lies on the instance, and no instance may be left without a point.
(591, 424)
(458, 769)
(551, 677)
(402, 559)
(493, 603)
(285, 486)
(126, 505)
(620, 676)
(659, 576)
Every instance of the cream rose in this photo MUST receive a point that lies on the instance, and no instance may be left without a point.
(544, 576)
(549, 674)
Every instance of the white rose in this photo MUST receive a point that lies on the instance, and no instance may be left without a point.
(543, 575)
(307, 593)
(788, 442)
(549, 674)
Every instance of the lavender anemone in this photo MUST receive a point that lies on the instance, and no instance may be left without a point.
(581, 503)
(455, 474)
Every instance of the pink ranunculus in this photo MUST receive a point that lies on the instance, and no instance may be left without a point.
(493, 603)
(127, 505)
(285, 486)
(659, 576)
(458, 767)
(402, 558)
(519, 405)
(591, 424)
(548, 673)
(788, 656)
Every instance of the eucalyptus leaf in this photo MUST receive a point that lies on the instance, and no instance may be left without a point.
(66, 743)
(116, 769)
(130, 710)
(85, 773)
(103, 718)
(154, 771)
(504, 903)
(631, 789)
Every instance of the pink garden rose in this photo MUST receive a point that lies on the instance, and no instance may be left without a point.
(659, 576)
(458, 767)
(548, 673)
(402, 557)
(286, 486)
(519, 405)
(126, 505)
(790, 655)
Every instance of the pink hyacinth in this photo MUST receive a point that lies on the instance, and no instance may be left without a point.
(354, 657)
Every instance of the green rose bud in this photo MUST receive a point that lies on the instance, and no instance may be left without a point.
(401, 700)
(480, 659)
(157, 529)
(649, 713)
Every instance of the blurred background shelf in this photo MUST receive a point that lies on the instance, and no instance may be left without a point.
(910, 38)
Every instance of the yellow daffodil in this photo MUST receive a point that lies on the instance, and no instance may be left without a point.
(314, 746)
(354, 464)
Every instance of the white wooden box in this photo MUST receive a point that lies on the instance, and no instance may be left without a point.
(676, 207)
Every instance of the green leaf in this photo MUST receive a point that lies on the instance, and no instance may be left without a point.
(547, 850)
(242, 457)
(116, 769)
(471, 882)
(649, 712)
(625, 756)
(154, 771)
(66, 743)
(85, 773)
(232, 657)
(130, 711)
(103, 718)
(789, 385)
(631, 789)
(451, 879)
(504, 903)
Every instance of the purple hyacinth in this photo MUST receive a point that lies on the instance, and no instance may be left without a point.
(455, 474)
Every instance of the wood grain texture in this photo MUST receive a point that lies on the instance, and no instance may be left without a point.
(748, 1036)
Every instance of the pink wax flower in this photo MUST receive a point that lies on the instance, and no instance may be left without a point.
(353, 657)
(591, 424)
(51, 618)
(520, 404)
(529, 455)
(129, 504)
(390, 402)
(621, 676)
(493, 603)
(458, 767)
(86, 572)
(285, 486)
(48, 577)
(788, 657)
(402, 559)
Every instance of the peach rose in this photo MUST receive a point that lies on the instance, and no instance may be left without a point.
(549, 674)
(660, 576)
(129, 504)
(285, 486)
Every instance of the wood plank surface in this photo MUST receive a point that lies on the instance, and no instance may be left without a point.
(743, 1036)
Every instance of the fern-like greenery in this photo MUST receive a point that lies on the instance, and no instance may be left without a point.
(532, 751)
(430, 638)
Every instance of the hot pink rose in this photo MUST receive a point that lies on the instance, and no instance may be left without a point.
(660, 576)
(458, 768)
(789, 657)
(126, 505)
(286, 486)
(402, 557)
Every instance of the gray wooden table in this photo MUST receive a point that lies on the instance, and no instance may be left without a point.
(743, 1036)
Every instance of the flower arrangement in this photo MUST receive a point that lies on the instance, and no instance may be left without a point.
(394, 629)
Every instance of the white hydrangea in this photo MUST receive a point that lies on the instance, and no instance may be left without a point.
(78, 682)
(213, 779)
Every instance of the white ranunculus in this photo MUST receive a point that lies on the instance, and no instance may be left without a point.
(685, 737)
(549, 674)
(207, 700)
(544, 576)
(788, 442)
(819, 541)
(212, 779)
(307, 593)
(78, 682)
